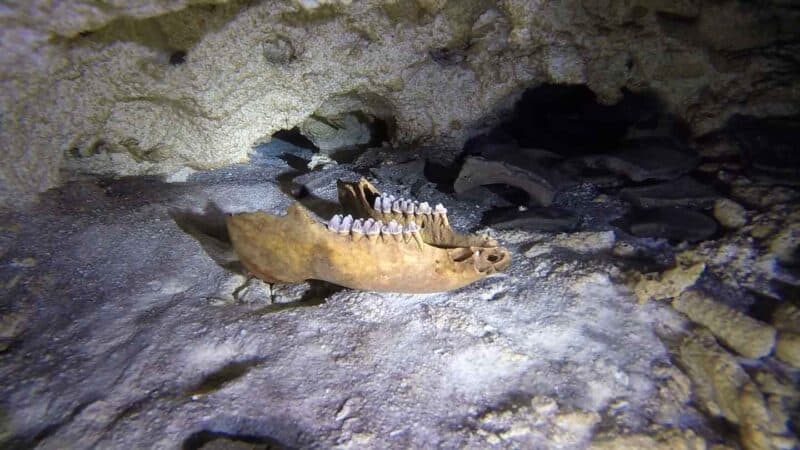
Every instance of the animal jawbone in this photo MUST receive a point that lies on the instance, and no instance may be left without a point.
(362, 252)
(362, 199)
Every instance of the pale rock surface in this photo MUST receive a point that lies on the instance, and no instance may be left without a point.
(729, 213)
(348, 131)
(669, 284)
(148, 87)
(747, 336)
(787, 348)
(586, 242)
(154, 339)
(724, 388)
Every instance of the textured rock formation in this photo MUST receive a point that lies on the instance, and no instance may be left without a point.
(787, 320)
(153, 86)
(748, 336)
(724, 388)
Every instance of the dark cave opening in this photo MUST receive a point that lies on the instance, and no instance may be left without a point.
(569, 120)
(295, 137)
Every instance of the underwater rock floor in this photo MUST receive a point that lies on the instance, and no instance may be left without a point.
(125, 326)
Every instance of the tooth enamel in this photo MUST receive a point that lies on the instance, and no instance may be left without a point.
(392, 228)
(410, 208)
(358, 226)
(368, 223)
(440, 209)
(378, 203)
(396, 206)
(335, 223)
(424, 208)
(411, 228)
(346, 224)
(375, 228)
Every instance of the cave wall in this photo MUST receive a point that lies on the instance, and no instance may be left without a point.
(113, 88)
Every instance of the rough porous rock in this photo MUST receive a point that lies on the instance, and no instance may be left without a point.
(759, 256)
(787, 317)
(683, 192)
(787, 348)
(585, 242)
(730, 214)
(534, 219)
(677, 224)
(147, 87)
(669, 439)
(345, 132)
(669, 284)
(747, 336)
(155, 340)
(640, 160)
(723, 388)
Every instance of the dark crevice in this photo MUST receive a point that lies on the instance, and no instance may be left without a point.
(177, 57)
(295, 137)
(214, 439)
(220, 377)
(21, 442)
(569, 120)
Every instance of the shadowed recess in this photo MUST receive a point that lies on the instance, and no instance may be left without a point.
(220, 377)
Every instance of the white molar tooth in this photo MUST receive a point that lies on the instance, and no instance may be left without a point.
(410, 208)
(397, 228)
(396, 206)
(387, 205)
(358, 226)
(335, 223)
(375, 228)
(392, 228)
(378, 205)
(368, 223)
(346, 224)
(440, 209)
(424, 208)
(411, 228)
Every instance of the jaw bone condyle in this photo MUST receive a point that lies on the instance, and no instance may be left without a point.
(382, 244)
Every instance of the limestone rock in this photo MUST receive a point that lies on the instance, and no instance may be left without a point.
(729, 213)
(763, 196)
(336, 133)
(254, 291)
(534, 219)
(148, 88)
(661, 440)
(683, 192)
(787, 317)
(586, 242)
(644, 159)
(677, 224)
(747, 336)
(669, 284)
(716, 375)
(787, 348)
(11, 325)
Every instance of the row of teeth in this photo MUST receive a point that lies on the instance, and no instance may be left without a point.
(370, 227)
(389, 203)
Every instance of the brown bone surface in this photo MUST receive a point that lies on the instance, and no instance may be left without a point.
(297, 247)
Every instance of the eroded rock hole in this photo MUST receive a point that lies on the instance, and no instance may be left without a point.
(216, 440)
(561, 145)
